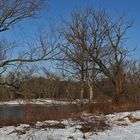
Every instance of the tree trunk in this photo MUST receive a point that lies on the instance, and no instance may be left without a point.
(120, 82)
(90, 85)
(81, 94)
(11, 95)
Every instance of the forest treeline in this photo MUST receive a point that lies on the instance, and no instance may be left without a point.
(88, 54)
(40, 87)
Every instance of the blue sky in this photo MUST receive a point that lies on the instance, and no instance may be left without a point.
(28, 30)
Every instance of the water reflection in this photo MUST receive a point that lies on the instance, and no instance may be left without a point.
(25, 113)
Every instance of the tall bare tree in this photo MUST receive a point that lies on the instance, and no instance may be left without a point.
(95, 43)
(113, 52)
(78, 34)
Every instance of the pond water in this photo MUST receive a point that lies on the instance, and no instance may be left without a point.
(28, 113)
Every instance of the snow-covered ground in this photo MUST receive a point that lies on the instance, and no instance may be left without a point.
(124, 126)
(34, 101)
(40, 101)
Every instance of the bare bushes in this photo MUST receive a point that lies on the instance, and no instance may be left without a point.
(108, 108)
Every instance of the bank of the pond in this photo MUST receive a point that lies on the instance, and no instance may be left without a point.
(116, 126)
(35, 101)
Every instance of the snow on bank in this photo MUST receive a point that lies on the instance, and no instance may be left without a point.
(35, 101)
(40, 101)
(122, 129)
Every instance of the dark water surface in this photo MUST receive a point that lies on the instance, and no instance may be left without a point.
(25, 113)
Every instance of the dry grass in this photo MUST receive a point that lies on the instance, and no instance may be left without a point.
(98, 125)
(91, 123)
(133, 119)
(56, 126)
(108, 108)
(130, 117)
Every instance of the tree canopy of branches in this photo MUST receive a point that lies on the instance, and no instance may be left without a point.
(94, 45)
(12, 12)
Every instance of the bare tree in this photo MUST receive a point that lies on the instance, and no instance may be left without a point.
(13, 62)
(45, 49)
(74, 50)
(95, 34)
(112, 60)
(95, 44)
(12, 12)
(80, 36)
(13, 79)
